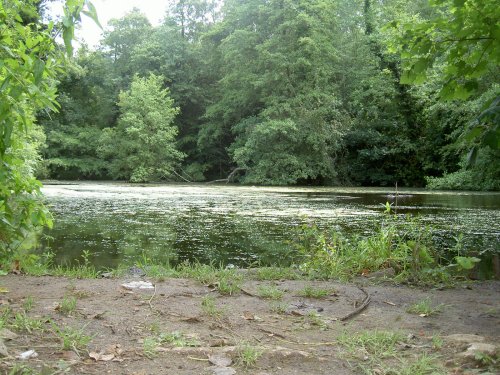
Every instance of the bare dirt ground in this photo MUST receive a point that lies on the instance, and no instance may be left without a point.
(178, 328)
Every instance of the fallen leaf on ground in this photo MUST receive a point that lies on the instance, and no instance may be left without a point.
(101, 356)
(247, 315)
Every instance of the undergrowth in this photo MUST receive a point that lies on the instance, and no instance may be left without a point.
(402, 244)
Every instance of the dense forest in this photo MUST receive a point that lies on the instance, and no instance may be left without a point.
(358, 92)
(280, 92)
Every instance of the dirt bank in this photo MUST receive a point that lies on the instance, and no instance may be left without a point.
(183, 327)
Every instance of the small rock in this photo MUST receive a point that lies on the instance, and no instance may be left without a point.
(463, 338)
(223, 371)
(7, 335)
(220, 360)
(480, 348)
(138, 285)
(136, 272)
(3, 349)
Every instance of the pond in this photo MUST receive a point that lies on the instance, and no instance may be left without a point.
(242, 225)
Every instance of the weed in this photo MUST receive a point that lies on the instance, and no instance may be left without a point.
(160, 272)
(177, 339)
(278, 307)
(421, 365)
(204, 273)
(72, 338)
(210, 308)
(28, 304)
(247, 355)
(378, 344)
(80, 271)
(150, 347)
(270, 292)
(277, 273)
(19, 369)
(312, 292)
(155, 327)
(484, 359)
(437, 342)
(67, 306)
(314, 319)
(424, 308)
(227, 281)
(403, 244)
(23, 322)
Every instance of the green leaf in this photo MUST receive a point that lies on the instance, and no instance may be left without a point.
(68, 34)
(92, 13)
(38, 70)
(5, 83)
(467, 263)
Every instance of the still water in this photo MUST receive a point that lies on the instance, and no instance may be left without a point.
(242, 225)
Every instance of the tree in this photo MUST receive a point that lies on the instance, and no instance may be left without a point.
(142, 146)
(462, 42)
(29, 63)
(88, 96)
(457, 49)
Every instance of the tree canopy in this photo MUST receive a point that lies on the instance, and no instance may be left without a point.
(357, 92)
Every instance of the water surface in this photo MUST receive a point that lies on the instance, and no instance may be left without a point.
(242, 225)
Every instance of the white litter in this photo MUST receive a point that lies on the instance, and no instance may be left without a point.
(28, 354)
(138, 285)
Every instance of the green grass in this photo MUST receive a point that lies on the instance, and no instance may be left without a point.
(81, 271)
(152, 343)
(403, 244)
(379, 344)
(177, 339)
(226, 281)
(278, 307)
(276, 273)
(247, 355)
(424, 307)
(270, 292)
(150, 347)
(314, 319)
(313, 292)
(68, 305)
(23, 322)
(380, 353)
(72, 338)
(210, 308)
(28, 304)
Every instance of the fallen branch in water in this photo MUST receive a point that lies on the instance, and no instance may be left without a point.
(229, 177)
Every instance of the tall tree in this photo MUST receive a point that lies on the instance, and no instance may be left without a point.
(142, 146)
(29, 62)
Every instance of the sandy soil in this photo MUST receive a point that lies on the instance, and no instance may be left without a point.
(290, 342)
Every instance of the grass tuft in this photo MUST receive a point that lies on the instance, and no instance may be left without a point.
(311, 292)
(424, 308)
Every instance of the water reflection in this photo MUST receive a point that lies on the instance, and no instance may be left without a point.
(240, 225)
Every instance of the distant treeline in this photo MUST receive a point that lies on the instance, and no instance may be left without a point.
(350, 92)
